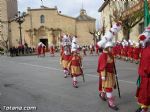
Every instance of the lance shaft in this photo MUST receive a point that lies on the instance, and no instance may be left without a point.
(116, 76)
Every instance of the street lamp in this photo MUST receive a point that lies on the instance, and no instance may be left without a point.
(19, 18)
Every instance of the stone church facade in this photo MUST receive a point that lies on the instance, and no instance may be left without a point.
(47, 24)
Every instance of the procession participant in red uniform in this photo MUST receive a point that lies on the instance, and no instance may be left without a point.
(106, 66)
(52, 50)
(43, 49)
(143, 90)
(115, 50)
(107, 80)
(130, 51)
(75, 66)
(136, 53)
(65, 59)
(119, 50)
(65, 54)
(75, 62)
(39, 49)
(123, 51)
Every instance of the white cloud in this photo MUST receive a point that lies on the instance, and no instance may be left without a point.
(67, 7)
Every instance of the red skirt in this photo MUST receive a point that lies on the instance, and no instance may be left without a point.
(136, 56)
(39, 51)
(143, 92)
(100, 86)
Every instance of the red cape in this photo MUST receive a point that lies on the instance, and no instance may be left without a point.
(102, 61)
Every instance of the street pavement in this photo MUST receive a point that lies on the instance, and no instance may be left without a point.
(29, 81)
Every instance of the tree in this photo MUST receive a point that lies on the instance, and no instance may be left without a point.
(96, 35)
(4, 40)
(130, 13)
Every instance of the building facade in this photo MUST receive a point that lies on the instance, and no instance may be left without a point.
(47, 25)
(106, 11)
(8, 10)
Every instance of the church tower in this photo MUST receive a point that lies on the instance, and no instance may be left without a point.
(86, 24)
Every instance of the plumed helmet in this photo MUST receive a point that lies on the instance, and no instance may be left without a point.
(74, 47)
(109, 35)
(66, 40)
(74, 39)
(145, 36)
(102, 42)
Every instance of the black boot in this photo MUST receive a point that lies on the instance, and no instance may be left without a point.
(139, 109)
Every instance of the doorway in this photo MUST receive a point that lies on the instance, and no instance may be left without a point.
(45, 42)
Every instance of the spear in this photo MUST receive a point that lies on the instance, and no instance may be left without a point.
(82, 74)
(83, 77)
(116, 76)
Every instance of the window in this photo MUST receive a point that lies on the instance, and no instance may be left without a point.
(42, 18)
(141, 27)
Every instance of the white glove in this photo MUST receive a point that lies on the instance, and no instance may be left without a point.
(103, 78)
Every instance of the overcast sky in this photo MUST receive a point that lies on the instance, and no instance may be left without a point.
(67, 7)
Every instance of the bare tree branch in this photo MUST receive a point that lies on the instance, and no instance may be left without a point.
(119, 13)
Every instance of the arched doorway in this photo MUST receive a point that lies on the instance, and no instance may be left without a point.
(45, 42)
(46, 36)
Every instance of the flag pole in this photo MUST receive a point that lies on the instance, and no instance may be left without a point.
(146, 14)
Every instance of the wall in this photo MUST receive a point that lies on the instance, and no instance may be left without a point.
(84, 36)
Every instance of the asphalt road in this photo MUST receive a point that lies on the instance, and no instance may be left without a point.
(38, 82)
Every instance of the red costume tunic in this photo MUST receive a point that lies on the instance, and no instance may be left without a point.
(75, 66)
(143, 91)
(136, 53)
(130, 52)
(119, 50)
(106, 69)
(125, 51)
(39, 49)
